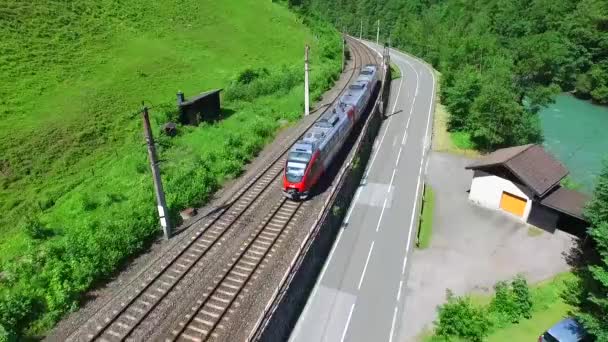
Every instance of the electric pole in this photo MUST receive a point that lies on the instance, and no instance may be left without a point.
(378, 32)
(361, 30)
(158, 185)
(343, 49)
(306, 86)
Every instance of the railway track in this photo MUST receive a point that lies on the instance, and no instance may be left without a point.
(121, 319)
(208, 313)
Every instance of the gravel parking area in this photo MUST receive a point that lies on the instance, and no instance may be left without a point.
(472, 248)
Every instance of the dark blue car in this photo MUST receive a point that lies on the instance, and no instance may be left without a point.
(566, 330)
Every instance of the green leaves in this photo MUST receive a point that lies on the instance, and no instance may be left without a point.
(593, 299)
(459, 317)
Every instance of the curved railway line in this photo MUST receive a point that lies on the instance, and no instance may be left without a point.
(205, 319)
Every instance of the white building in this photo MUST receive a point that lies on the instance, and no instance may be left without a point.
(524, 181)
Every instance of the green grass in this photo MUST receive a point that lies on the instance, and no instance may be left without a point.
(395, 72)
(77, 197)
(462, 140)
(426, 222)
(548, 307)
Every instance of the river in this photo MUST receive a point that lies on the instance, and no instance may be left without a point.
(576, 132)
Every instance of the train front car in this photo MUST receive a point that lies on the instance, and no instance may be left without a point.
(297, 175)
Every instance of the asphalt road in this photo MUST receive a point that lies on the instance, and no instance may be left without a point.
(359, 295)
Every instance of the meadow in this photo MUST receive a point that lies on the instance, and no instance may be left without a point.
(75, 189)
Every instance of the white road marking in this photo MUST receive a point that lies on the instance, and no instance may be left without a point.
(404, 263)
(369, 254)
(350, 314)
(399, 293)
(389, 119)
(409, 237)
(398, 156)
(393, 325)
(392, 179)
(381, 214)
(352, 206)
(331, 254)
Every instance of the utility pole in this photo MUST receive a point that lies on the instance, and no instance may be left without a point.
(306, 86)
(378, 32)
(361, 30)
(343, 48)
(158, 185)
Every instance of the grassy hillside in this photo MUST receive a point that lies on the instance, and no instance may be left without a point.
(75, 189)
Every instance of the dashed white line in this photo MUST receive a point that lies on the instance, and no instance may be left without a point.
(393, 325)
(381, 214)
(398, 156)
(350, 314)
(390, 118)
(331, 254)
(369, 254)
(392, 179)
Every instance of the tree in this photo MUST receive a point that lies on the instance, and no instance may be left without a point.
(594, 305)
(460, 96)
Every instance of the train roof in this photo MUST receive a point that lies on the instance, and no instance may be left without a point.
(322, 128)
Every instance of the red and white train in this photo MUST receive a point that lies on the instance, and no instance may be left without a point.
(311, 156)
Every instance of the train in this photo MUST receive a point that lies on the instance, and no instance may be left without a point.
(312, 155)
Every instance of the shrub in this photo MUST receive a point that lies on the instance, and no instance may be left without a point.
(34, 229)
(6, 336)
(460, 318)
(511, 302)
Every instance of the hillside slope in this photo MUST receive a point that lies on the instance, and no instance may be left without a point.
(75, 190)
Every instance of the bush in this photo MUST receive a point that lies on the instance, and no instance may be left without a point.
(34, 229)
(460, 318)
(6, 336)
(511, 302)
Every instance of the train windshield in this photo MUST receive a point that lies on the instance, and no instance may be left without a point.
(295, 172)
(296, 166)
(366, 72)
(356, 86)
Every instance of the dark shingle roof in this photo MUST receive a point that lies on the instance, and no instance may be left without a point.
(530, 163)
(567, 201)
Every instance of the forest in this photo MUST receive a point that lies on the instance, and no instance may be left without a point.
(501, 60)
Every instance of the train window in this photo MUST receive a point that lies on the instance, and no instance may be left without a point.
(299, 156)
(366, 72)
(356, 86)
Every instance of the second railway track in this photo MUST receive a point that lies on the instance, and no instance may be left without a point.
(121, 318)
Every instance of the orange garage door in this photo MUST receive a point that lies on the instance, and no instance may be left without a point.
(513, 204)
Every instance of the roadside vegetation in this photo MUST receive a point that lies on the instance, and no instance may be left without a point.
(425, 232)
(443, 139)
(589, 293)
(75, 189)
(514, 312)
(395, 72)
(501, 61)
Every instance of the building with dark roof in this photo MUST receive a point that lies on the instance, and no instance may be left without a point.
(524, 181)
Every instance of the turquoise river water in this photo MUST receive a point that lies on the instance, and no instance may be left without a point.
(576, 132)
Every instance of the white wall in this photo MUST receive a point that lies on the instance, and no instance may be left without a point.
(486, 190)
